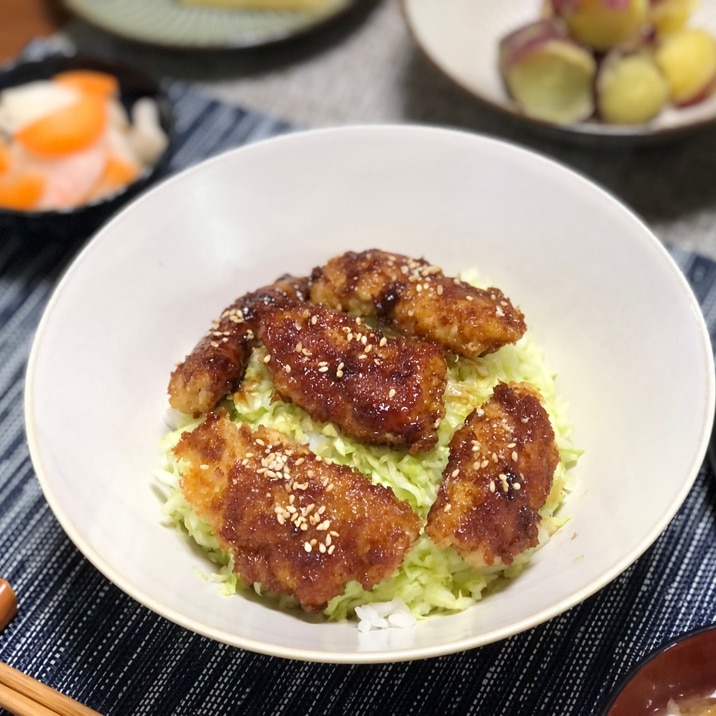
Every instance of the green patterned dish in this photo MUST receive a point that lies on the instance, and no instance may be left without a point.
(171, 24)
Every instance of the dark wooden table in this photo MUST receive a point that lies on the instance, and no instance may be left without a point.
(21, 20)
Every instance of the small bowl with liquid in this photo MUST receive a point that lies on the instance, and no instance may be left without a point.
(677, 679)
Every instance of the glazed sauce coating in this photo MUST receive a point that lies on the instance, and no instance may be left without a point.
(217, 363)
(498, 476)
(295, 523)
(374, 388)
(419, 300)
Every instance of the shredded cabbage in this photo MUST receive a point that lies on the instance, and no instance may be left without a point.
(430, 580)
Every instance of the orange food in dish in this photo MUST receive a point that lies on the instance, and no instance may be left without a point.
(89, 82)
(4, 155)
(118, 173)
(68, 140)
(66, 130)
(21, 191)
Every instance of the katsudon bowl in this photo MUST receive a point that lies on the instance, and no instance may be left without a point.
(615, 333)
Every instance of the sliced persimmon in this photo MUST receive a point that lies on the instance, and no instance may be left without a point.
(66, 130)
(4, 155)
(21, 192)
(89, 82)
(118, 173)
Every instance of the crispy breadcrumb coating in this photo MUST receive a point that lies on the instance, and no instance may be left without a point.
(498, 476)
(217, 363)
(419, 300)
(374, 388)
(295, 523)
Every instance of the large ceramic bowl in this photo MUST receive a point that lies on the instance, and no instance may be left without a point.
(612, 312)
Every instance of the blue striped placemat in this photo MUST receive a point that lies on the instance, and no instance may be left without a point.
(80, 634)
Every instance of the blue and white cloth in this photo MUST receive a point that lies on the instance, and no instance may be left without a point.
(81, 635)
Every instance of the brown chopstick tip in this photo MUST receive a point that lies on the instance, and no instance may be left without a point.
(8, 604)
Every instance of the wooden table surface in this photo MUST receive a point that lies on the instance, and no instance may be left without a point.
(21, 20)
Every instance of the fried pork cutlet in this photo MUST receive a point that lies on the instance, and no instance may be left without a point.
(296, 524)
(375, 389)
(419, 300)
(217, 363)
(498, 476)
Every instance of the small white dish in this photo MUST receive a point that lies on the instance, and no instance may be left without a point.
(615, 317)
(461, 37)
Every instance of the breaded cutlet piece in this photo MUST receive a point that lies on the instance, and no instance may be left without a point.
(498, 476)
(217, 363)
(419, 300)
(295, 523)
(376, 389)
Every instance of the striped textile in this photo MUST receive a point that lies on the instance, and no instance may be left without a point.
(80, 634)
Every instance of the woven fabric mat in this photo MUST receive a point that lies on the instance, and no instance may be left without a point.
(80, 634)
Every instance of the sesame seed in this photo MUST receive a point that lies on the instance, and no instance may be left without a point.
(391, 393)
(332, 549)
(514, 456)
(267, 358)
(516, 486)
(455, 472)
(307, 547)
(492, 485)
(203, 466)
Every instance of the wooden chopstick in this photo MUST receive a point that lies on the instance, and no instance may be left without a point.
(21, 694)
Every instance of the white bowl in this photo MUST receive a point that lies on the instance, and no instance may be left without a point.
(614, 315)
(461, 39)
